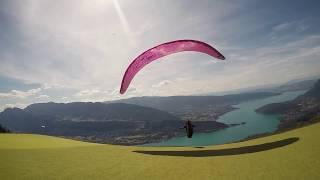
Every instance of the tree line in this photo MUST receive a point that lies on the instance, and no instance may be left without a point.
(3, 129)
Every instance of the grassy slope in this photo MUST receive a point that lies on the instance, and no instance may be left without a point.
(44, 157)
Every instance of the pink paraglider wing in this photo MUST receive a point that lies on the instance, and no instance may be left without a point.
(164, 50)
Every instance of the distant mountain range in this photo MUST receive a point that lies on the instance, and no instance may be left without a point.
(120, 123)
(82, 111)
(130, 121)
(182, 103)
(299, 111)
(293, 85)
(99, 122)
(196, 108)
(296, 86)
(56, 117)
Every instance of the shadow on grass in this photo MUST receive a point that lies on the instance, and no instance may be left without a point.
(199, 147)
(225, 152)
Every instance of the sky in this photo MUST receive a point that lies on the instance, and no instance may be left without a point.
(78, 50)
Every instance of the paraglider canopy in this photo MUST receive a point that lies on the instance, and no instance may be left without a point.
(164, 50)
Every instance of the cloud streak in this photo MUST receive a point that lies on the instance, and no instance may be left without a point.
(20, 94)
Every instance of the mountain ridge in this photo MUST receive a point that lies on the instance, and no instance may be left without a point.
(115, 123)
(301, 110)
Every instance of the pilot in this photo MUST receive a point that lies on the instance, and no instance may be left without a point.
(189, 128)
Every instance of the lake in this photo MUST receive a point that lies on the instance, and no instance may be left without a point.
(255, 123)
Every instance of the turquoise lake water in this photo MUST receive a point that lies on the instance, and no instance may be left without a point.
(255, 123)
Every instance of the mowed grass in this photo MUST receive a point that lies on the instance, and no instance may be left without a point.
(24, 156)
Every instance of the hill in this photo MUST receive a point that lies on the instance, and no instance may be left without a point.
(180, 103)
(115, 123)
(195, 108)
(299, 111)
(296, 86)
(290, 155)
(293, 85)
(128, 122)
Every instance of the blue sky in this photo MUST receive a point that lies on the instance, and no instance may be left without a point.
(75, 50)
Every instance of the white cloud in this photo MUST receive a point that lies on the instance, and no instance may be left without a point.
(43, 96)
(292, 26)
(53, 86)
(287, 30)
(283, 26)
(17, 105)
(20, 94)
(162, 83)
(88, 92)
(91, 95)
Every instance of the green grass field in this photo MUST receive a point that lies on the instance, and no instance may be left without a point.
(26, 156)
